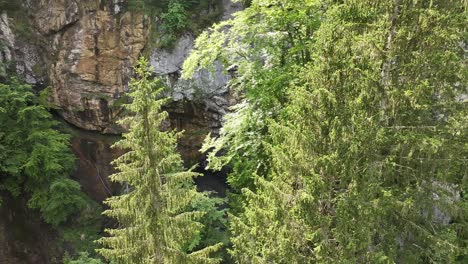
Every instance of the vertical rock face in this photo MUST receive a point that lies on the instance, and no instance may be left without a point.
(55, 15)
(93, 67)
(23, 57)
(205, 98)
(84, 50)
(94, 155)
(199, 104)
(7, 37)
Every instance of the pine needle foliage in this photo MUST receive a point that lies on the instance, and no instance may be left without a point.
(368, 160)
(156, 224)
(35, 158)
(363, 136)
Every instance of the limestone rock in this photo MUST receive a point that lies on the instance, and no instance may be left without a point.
(199, 104)
(167, 62)
(93, 67)
(84, 51)
(23, 56)
(7, 39)
(230, 8)
(56, 15)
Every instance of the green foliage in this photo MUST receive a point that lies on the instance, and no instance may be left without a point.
(362, 131)
(174, 21)
(62, 199)
(83, 258)
(20, 23)
(35, 158)
(242, 132)
(117, 104)
(267, 42)
(44, 98)
(147, 6)
(214, 223)
(156, 221)
(175, 17)
(9, 5)
(82, 231)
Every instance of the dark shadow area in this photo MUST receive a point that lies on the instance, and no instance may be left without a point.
(24, 238)
(212, 181)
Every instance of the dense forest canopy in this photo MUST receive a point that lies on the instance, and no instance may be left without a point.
(36, 163)
(348, 142)
(350, 145)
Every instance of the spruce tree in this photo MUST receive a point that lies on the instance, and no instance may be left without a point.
(156, 224)
(365, 145)
(35, 158)
(368, 160)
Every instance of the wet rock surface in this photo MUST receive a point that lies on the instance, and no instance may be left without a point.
(24, 238)
(93, 165)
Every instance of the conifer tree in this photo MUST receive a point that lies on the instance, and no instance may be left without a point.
(367, 158)
(35, 158)
(156, 224)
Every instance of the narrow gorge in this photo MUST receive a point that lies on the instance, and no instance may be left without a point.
(82, 52)
(233, 131)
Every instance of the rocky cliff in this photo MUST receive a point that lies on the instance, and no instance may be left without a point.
(84, 51)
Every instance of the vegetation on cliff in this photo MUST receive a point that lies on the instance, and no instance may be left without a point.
(36, 162)
(35, 159)
(349, 144)
(173, 17)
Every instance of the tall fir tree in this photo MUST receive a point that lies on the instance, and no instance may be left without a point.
(156, 224)
(367, 160)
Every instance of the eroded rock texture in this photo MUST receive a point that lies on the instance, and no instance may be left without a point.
(199, 104)
(84, 51)
(93, 67)
(94, 155)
